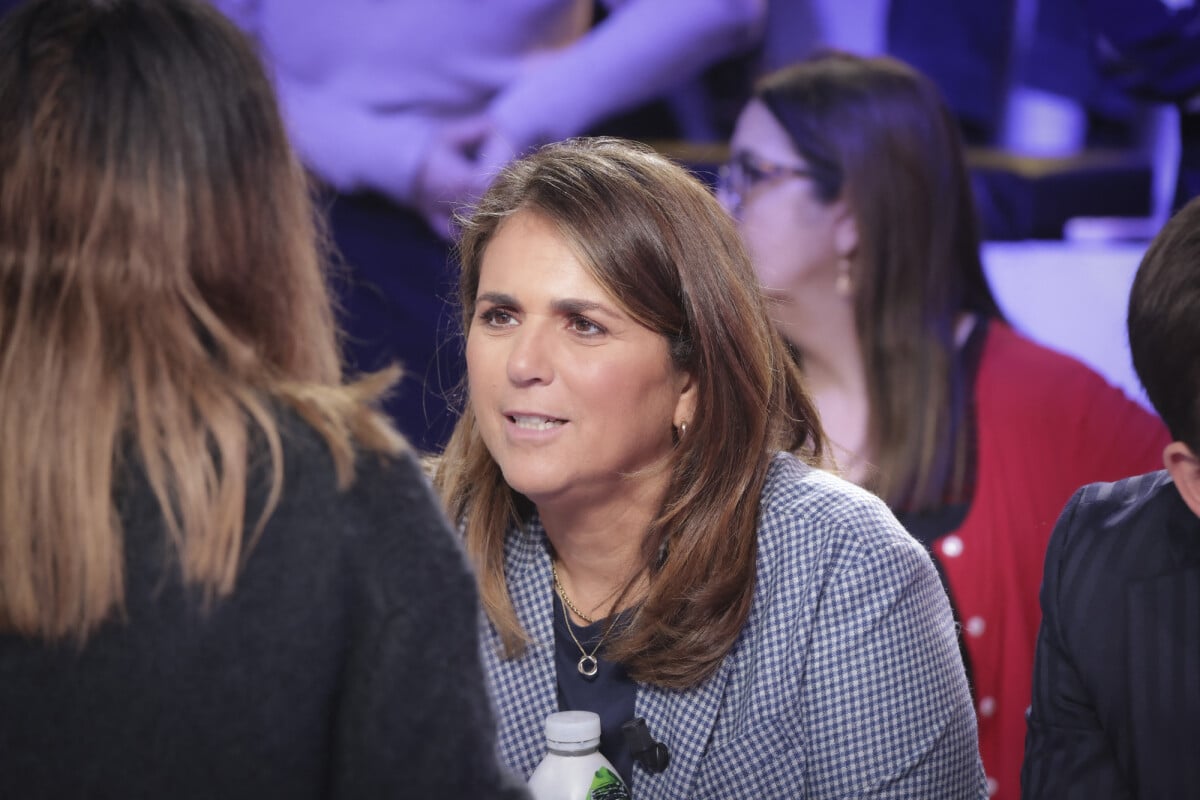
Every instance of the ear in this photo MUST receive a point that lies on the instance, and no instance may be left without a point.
(685, 406)
(1184, 467)
(845, 231)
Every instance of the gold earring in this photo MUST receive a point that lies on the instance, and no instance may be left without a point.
(842, 283)
(682, 429)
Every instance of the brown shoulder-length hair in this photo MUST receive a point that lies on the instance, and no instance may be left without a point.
(657, 240)
(161, 288)
(876, 132)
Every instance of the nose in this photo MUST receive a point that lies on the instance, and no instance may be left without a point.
(530, 359)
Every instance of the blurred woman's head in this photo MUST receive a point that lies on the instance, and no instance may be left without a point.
(147, 180)
(875, 138)
(649, 239)
(850, 186)
(159, 277)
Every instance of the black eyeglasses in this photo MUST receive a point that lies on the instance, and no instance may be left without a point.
(744, 171)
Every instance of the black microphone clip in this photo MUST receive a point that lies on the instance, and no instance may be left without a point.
(652, 755)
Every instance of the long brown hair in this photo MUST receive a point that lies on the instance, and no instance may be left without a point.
(661, 245)
(161, 288)
(875, 132)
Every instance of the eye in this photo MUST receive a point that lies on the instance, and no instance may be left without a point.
(584, 326)
(752, 169)
(497, 317)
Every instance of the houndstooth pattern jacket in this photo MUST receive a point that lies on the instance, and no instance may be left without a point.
(845, 682)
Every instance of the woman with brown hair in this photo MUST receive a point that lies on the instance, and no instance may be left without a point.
(221, 574)
(851, 192)
(647, 546)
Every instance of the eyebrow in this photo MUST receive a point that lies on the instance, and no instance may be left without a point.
(565, 306)
(571, 305)
(496, 299)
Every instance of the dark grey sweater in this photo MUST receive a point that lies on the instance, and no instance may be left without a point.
(344, 665)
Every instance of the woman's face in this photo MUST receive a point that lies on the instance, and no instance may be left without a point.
(794, 240)
(569, 391)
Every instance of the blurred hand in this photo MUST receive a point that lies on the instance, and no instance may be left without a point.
(451, 176)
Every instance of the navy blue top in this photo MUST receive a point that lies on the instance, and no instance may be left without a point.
(610, 692)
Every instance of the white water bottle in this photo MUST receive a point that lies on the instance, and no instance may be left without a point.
(574, 768)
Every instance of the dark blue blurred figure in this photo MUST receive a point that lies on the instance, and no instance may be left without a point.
(1143, 49)
(965, 48)
(1051, 80)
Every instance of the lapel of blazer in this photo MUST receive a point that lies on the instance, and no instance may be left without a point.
(526, 688)
(686, 721)
(1163, 624)
(683, 721)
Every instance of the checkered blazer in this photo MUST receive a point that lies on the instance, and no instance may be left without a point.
(845, 682)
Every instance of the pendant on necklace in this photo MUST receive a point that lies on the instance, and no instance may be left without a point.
(588, 666)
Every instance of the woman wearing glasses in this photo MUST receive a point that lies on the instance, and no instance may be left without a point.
(646, 546)
(851, 193)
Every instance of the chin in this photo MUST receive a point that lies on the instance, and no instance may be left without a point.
(535, 484)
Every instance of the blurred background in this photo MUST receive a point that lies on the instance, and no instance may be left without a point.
(1078, 115)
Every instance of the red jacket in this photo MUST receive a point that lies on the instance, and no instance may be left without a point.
(1046, 424)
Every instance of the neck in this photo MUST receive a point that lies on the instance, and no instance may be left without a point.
(598, 548)
(814, 317)
(836, 377)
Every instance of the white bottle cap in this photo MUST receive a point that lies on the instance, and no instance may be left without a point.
(573, 730)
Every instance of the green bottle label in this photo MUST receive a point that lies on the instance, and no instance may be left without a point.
(607, 786)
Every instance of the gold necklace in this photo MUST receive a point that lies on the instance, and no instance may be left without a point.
(563, 594)
(588, 664)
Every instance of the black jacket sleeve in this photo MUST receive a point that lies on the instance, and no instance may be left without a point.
(1067, 752)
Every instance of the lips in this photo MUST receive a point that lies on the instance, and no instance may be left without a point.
(535, 422)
